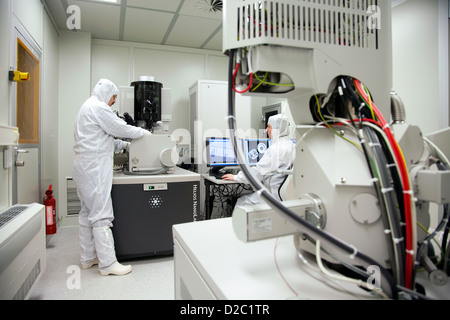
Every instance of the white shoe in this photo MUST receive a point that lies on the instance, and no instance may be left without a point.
(90, 264)
(116, 269)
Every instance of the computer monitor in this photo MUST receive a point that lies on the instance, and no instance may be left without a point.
(255, 149)
(219, 153)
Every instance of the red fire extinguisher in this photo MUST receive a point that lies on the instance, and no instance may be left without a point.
(50, 211)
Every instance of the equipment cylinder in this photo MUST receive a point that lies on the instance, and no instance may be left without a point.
(147, 103)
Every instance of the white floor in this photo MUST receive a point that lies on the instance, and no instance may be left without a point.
(63, 279)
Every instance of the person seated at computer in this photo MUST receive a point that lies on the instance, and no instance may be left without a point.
(278, 157)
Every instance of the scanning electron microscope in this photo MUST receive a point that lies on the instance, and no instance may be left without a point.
(150, 193)
(156, 153)
(367, 190)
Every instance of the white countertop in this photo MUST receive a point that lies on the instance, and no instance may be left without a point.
(240, 271)
(178, 175)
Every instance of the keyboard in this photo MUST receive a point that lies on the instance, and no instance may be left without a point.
(217, 175)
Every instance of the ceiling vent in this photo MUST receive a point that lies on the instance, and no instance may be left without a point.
(209, 5)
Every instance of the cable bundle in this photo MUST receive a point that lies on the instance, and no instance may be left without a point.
(386, 163)
(407, 206)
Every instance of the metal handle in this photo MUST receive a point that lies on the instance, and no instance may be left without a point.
(20, 163)
(20, 151)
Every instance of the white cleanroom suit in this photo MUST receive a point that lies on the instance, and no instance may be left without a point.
(278, 157)
(95, 132)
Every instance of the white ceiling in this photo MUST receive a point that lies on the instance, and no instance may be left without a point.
(184, 23)
(396, 3)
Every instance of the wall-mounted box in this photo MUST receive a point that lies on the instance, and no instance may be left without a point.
(9, 136)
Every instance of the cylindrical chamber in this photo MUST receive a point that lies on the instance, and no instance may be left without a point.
(147, 103)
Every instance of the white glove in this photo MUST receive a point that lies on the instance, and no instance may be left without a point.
(147, 133)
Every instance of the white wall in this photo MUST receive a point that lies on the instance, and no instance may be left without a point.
(49, 108)
(5, 194)
(74, 89)
(420, 61)
(4, 60)
(175, 67)
(30, 15)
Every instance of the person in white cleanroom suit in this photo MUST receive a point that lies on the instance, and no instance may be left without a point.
(95, 132)
(278, 157)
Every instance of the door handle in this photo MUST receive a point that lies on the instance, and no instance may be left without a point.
(19, 163)
(20, 151)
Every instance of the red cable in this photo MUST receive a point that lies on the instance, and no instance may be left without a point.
(409, 263)
(234, 80)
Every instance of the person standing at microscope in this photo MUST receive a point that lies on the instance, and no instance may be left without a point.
(95, 131)
(279, 157)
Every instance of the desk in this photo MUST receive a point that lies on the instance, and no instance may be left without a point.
(223, 190)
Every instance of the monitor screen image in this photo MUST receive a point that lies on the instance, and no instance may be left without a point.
(255, 149)
(219, 152)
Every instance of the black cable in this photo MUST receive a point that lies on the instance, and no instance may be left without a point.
(346, 110)
(443, 166)
(382, 156)
(395, 176)
(443, 224)
(388, 285)
(377, 186)
(396, 182)
(398, 218)
(356, 99)
(352, 97)
(390, 201)
(446, 231)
